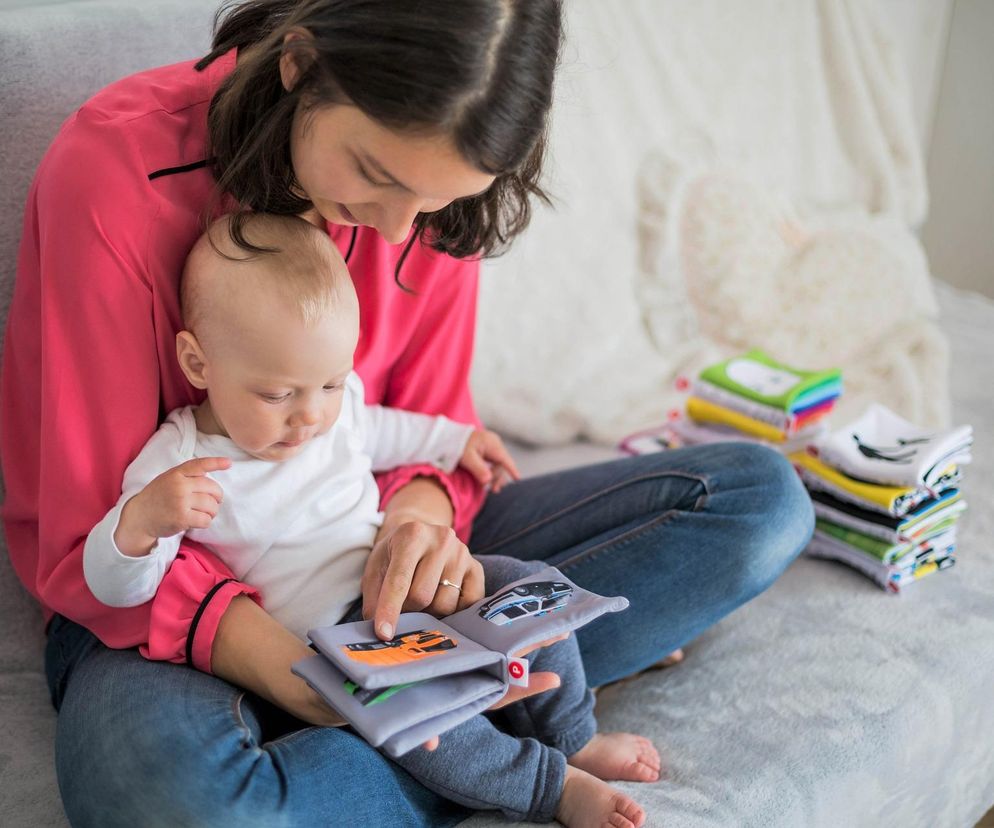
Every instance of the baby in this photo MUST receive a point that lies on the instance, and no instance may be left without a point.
(274, 471)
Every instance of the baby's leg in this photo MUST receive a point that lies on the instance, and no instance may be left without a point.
(481, 767)
(564, 718)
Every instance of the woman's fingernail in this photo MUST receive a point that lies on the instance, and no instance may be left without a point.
(386, 630)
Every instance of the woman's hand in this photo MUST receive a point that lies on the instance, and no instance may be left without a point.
(406, 570)
(415, 550)
(414, 545)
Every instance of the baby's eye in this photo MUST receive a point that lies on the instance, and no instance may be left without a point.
(338, 387)
(274, 398)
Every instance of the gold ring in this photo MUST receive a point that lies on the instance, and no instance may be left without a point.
(447, 582)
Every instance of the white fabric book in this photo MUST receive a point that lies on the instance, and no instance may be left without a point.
(882, 447)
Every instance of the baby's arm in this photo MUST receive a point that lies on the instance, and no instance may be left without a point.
(393, 437)
(179, 499)
(127, 554)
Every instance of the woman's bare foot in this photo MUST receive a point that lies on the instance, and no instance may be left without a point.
(588, 802)
(673, 658)
(618, 756)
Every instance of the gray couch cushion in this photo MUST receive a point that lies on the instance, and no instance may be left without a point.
(55, 56)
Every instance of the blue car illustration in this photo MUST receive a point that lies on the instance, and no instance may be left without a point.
(526, 601)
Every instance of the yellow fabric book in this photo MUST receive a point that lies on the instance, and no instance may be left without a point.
(705, 411)
(885, 496)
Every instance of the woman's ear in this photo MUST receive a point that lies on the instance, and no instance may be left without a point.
(192, 361)
(297, 52)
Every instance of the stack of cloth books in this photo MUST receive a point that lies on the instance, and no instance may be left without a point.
(886, 496)
(754, 397)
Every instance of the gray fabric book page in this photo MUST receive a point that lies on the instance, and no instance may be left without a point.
(422, 648)
(409, 713)
(531, 609)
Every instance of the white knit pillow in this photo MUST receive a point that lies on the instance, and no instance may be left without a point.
(732, 264)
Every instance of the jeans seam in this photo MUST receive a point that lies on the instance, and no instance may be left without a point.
(592, 497)
(292, 734)
(248, 740)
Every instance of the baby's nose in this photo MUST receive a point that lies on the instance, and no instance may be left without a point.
(308, 416)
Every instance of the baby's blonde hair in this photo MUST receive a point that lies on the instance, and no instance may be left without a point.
(300, 266)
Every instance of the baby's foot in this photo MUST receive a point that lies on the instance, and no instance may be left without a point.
(587, 802)
(619, 756)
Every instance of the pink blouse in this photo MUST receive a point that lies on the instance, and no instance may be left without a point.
(89, 364)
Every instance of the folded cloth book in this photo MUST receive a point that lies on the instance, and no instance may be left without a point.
(892, 500)
(786, 422)
(752, 398)
(886, 448)
(886, 495)
(761, 379)
(433, 674)
(764, 399)
(892, 577)
(912, 526)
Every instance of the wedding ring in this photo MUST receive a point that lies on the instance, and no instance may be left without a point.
(447, 582)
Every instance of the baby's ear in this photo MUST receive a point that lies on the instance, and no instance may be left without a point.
(191, 359)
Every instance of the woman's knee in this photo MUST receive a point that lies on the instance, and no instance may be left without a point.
(776, 519)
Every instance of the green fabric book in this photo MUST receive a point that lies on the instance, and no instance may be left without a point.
(758, 377)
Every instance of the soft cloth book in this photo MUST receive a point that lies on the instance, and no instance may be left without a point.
(435, 674)
(884, 447)
(758, 377)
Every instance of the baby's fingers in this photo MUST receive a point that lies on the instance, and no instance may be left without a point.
(474, 463)
(199, 466)
(206, 486)
(500, 456)
(204, 503)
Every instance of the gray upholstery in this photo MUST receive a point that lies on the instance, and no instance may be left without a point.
(825, 702)
(54, 57)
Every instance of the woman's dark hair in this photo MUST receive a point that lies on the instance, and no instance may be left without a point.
(479, 70)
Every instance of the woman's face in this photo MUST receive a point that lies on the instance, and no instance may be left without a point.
(358, 172)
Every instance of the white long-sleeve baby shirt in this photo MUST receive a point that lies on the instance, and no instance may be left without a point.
(300, 530)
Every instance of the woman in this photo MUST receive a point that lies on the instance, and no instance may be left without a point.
(414, 133)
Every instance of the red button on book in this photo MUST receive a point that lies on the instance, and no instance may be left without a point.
(517, 669)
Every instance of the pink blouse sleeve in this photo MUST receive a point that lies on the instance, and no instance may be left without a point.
(432, 373)
(81, 395)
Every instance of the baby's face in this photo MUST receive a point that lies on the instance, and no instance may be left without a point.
(277, 383)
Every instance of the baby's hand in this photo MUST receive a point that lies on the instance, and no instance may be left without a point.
(178, 500)
(487, 460)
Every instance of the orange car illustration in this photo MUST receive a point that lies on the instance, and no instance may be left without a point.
(400, 649)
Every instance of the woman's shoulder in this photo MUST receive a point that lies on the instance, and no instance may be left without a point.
(140, 124)
(164, 89)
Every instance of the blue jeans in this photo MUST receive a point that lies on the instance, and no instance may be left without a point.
(687, 536)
